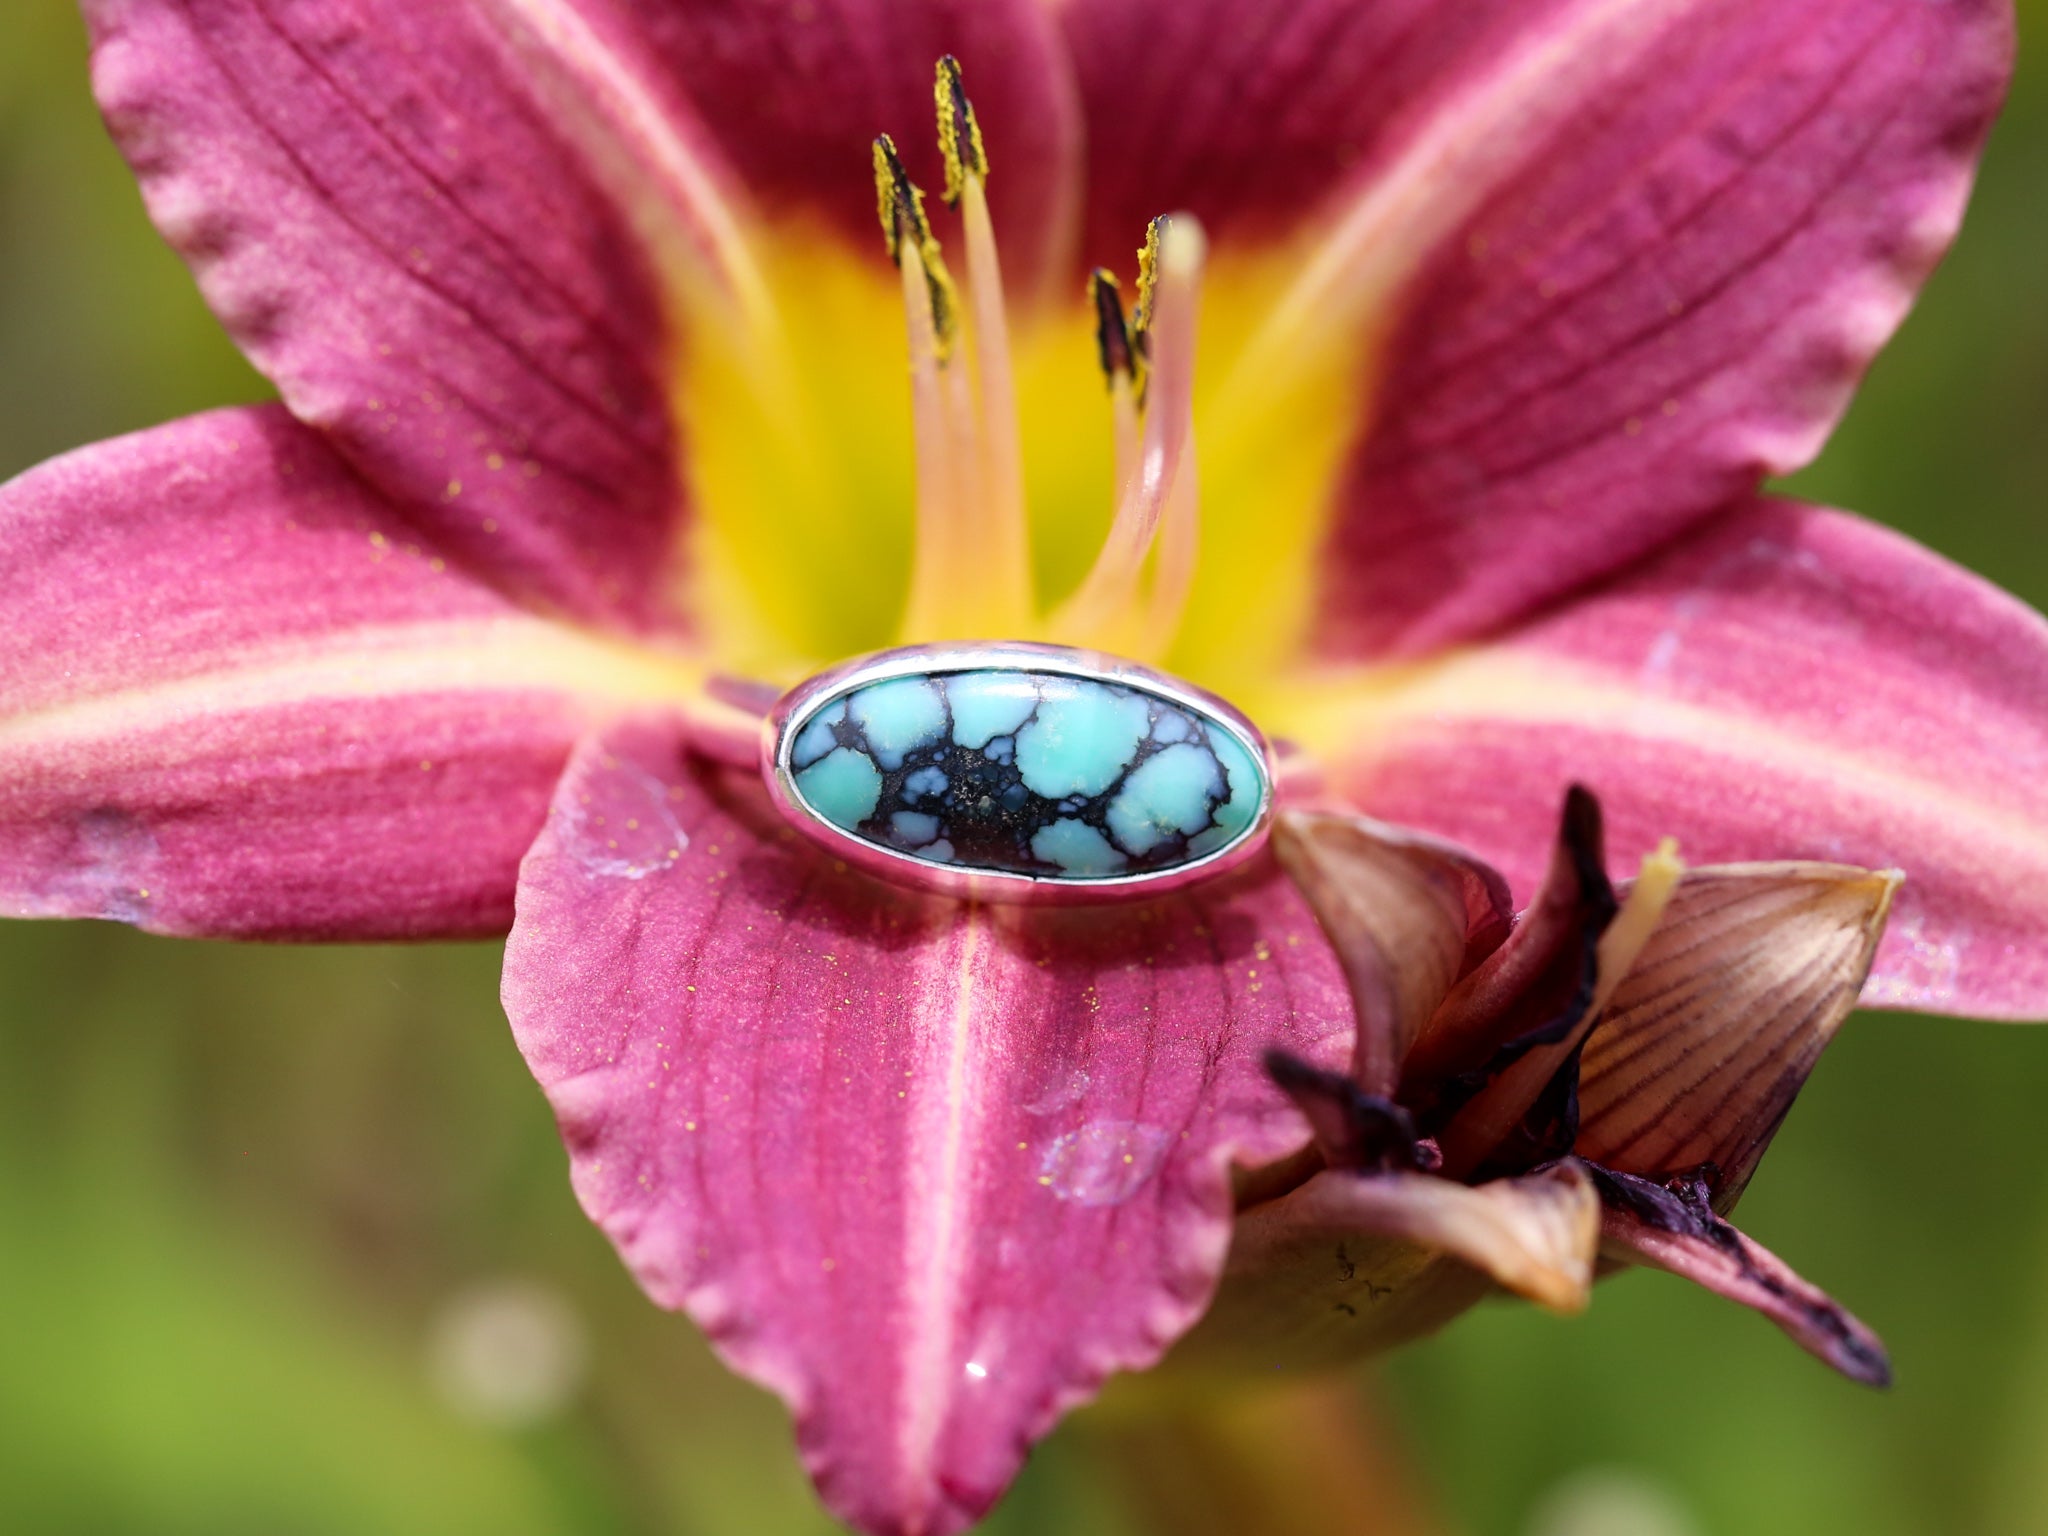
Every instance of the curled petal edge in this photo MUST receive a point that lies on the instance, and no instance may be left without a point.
(1647, 1223)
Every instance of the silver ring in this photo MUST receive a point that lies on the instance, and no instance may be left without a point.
(898, 782)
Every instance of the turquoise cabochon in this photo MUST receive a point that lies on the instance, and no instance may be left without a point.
(1020, 771)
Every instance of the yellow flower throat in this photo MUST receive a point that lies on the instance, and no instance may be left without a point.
(996, 497)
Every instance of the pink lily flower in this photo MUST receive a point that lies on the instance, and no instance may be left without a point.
(594, 438)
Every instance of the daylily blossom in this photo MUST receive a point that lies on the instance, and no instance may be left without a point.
(1432, 442)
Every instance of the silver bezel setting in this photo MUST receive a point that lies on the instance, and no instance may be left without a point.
(778, 743)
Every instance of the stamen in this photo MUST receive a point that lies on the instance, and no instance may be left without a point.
(1179, 541)
(1169, 289)
(972, 565)
(1119, 367)
(1112, 335)
(934, 409)
(959, 134)
(1148, 288)
(900, 204)
(1173, 572)
(1001, 533)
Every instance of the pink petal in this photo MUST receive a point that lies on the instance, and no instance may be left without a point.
(386, 204)
(1350, 1264)
(930, 1171)
(1711, 1035)
(795, 94)
(1246, 114)
(240, 698)
(1645, 1224)
(1788, 684)
(1639, 255)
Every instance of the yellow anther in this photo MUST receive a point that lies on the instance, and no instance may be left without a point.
(1148, 280)
(885, 197)
(898, 201)
(959, 133)
(900, 204)
(1112, 334)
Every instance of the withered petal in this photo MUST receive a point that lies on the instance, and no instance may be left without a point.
(1350, 1264)
(1787, 682)
(1409, 917)
(1504, 1046)
(1353, 1129)
(1541, 966)
(1713, 1031)
(1674, 1229)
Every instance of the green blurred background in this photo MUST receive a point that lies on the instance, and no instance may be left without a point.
(285, 1239)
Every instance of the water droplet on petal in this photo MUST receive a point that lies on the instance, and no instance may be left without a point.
(1065, 1090)
(111, 870)
(618, 822)
(1105, 1162)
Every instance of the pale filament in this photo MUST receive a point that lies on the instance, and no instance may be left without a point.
(944, 447)
(1006, 534)
(1123, 416)
(1173, 569)
(967, 462)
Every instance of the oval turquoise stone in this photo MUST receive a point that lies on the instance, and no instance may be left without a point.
(1026, 772)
